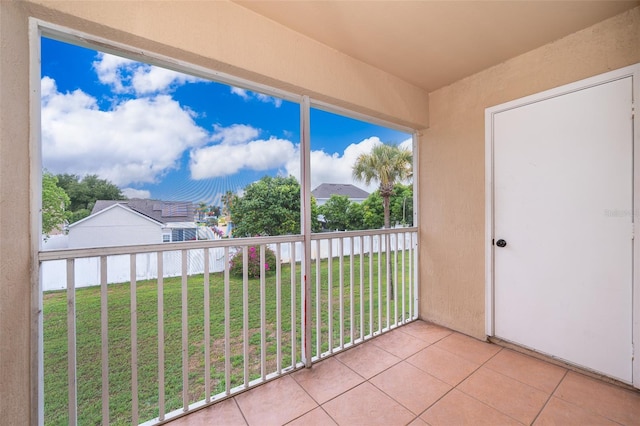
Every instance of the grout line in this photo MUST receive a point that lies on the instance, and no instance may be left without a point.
(240, 409)
(550, 396)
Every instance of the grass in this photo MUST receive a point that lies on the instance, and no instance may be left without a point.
(88, 320)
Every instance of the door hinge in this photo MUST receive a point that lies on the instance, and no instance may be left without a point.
(633, 231)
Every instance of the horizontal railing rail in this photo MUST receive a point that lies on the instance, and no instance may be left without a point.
(148, 350)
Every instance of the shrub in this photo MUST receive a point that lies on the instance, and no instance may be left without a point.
(235, 264)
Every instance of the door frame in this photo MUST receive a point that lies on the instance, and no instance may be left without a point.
(630, 71)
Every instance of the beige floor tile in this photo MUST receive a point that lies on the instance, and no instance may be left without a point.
(275, 403)
(327, 379)
(317, 417)
(534, 372)
(607, 400)
(468, 348)
(222, 413)
(459, 409)
(400, 344)
(367, 359)
(511, 397)
(561, 413)
(444, 365)
(367, 405)
(430, 333)
(410, 386)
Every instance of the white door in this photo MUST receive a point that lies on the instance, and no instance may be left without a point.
(563, 203)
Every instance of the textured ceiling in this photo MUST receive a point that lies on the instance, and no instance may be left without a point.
(434, 43)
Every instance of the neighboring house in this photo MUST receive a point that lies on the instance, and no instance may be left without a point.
(323, 192)
(135, 221)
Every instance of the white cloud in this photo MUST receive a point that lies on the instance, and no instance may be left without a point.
(136, 193)
(247, 95)
(149, 79)
(240, 92)
(110, 70)
(337, 167)
(407, 144)
(137, 141)
(234, 134)
(227, 159)
(127, 76)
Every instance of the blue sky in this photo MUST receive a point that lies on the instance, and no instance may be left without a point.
(161, 134)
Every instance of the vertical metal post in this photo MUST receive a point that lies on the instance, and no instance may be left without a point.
(263, 315)
(351, 295)
(185, 333)
(318, 299)
(305, 173)
(416, 219)
(161, 395)
(104, 317)
(341, 283)
(207, 328)
(71, 343)
(133, 288)
(278, 309)
(245, 313)
(227, 328)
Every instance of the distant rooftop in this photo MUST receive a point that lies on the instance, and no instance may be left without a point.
(326, 190)
(162, 211)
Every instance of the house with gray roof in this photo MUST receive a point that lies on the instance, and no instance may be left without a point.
(136, 221)
(324, 191)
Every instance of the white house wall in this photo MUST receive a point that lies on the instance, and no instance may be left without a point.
(115, 227)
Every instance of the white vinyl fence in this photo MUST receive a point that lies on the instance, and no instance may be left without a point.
(87, 270)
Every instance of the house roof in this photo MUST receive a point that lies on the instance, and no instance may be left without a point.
(158, 210)
(111, 207)
(326, 190)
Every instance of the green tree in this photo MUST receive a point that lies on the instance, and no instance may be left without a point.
(54, 204)
(315, 211)
(385, 164)
(213, 211)
(373, 211)
(335, 212)
(355, 217)
(83, 193)
(228, 199)
(201, 210)
(270, 206)
(401, 204)
(401, 207)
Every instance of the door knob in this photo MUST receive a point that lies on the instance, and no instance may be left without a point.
(501, 243)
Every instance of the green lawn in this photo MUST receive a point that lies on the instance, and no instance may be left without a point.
(119, 320)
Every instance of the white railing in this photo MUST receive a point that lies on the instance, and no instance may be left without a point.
(150, 350)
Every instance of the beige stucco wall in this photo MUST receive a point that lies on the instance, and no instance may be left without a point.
(452, 160)
(14, 219)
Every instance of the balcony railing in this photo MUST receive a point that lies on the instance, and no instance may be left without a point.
(144, 334)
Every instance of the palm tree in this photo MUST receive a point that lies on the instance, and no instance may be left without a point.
(201, 210)
(227, 204)
(385, 164)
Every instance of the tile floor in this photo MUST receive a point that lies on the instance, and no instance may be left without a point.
(422, 374)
